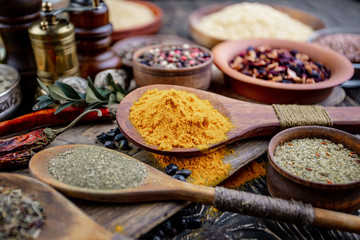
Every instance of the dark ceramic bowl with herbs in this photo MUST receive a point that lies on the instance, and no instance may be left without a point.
(322, 190)
(174, 69)
(253, 87)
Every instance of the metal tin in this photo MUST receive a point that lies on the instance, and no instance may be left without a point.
(54, 49)
(10, 98)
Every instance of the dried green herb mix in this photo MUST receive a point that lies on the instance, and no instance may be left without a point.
(21, 217)
(97, 168)
(319, 160)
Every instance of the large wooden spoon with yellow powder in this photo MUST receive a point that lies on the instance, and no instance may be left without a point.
(157, 186)
(248, 120)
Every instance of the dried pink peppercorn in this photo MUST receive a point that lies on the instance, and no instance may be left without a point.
(173, 57)
(279, 65)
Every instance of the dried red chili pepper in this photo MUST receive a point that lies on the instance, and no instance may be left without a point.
(46, 117)
(17, 151)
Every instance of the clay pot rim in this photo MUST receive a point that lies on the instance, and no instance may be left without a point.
(140, 51)
(311, 131)
(150, 27)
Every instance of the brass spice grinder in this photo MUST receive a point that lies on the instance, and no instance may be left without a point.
(53, 43)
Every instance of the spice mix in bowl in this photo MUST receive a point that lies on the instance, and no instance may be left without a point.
(317, 165)
(281, 71)
(177, 64)
(215, 23)
(344, 40)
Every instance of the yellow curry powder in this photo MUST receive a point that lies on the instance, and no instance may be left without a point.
(174, 118)
(207, 169)
(247, 173)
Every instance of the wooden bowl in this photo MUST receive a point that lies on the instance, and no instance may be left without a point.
(210, 41)
(340, 197)
(282, 93)
(149, 28)
(131, 44)
(198, 76)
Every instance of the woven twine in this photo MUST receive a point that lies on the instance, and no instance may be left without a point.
(263, 207)
(302, 115)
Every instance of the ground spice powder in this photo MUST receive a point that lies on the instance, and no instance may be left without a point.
(174, 118)
(247, 173)
(207, 169)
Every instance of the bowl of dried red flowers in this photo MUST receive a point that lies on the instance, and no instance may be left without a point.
(281, 71)
(316, 165)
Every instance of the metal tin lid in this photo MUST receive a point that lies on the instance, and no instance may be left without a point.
(9, 79)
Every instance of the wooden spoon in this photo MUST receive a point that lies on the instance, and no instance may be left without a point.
(63, 220)
(159, 186)
(249, 119)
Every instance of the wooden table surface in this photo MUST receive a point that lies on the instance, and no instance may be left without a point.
(217, 225)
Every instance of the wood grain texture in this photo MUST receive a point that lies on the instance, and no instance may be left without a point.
(249, 119)
(63, 220)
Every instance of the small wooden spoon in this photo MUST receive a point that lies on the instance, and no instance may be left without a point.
(63, 220)
(159, 186)
(249, 119)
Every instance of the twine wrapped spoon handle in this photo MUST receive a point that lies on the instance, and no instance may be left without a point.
(275, 208)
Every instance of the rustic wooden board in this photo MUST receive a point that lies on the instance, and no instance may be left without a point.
(137, 219)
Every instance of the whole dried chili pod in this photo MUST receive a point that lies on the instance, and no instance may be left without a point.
(46, 117)
(17, 151)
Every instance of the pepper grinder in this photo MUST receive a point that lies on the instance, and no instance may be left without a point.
(53, 42)
(15, 18)
(93, 39)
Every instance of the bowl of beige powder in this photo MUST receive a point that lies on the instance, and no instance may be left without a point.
(133, 18)
(219, 22)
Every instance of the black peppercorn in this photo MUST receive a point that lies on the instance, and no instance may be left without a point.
(110, 144)
(115, 130)
(102, 137)
(171, 169)
(111, 135)
(183, 172)
(119, 137)
(179, 177)
(124, 145)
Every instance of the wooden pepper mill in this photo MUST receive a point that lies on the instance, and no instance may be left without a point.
(15, 18)
(93, 39)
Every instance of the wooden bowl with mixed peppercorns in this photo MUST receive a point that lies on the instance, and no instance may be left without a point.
(185, 64)
(281, 71)
(316, 165)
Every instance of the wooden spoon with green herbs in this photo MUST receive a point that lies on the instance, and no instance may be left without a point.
(157, 186)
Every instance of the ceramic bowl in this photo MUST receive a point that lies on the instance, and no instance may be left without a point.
(338, 30)
(210, 41)
(198, 76)
(149, 28)
(282, 93)
(340, 197)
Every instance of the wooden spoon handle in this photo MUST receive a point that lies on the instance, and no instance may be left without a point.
(345, 118)
(283, 210)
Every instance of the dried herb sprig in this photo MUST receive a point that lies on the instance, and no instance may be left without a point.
(64, 95)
